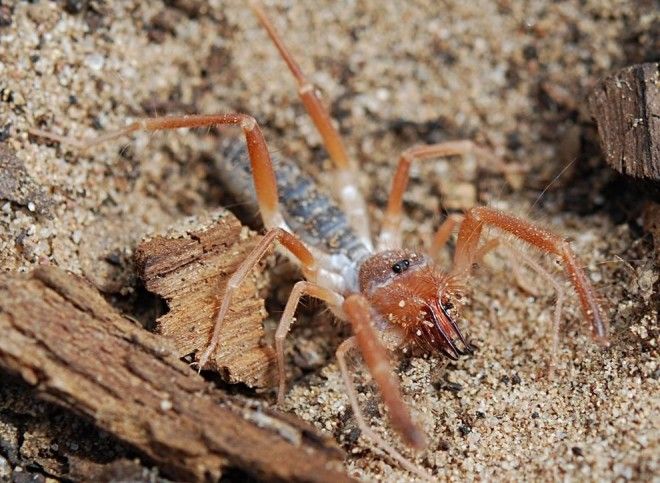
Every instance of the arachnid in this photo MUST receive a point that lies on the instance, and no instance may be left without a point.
(389, 295)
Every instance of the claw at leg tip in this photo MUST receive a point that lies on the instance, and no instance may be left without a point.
(202, 362)
(602, 341)
(420, 442)
(416, 438)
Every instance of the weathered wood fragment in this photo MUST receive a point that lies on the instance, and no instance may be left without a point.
(189, 267)
(60, 336)
(626, 107)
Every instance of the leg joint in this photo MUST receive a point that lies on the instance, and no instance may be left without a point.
(248, 123)
(305, 88)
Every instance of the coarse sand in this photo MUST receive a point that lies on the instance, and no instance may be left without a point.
(511, 76)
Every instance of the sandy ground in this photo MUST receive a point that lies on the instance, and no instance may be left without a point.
(511, 76)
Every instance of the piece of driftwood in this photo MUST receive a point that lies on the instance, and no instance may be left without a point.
(189, 267)
(60, 336)
(626, 107)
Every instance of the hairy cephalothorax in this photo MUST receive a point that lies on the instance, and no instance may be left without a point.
(390, 295)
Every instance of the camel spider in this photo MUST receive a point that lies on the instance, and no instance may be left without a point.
(390, 295)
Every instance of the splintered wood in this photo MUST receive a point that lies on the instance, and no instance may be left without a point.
(60, 336)
(189, 267)
(626, 106)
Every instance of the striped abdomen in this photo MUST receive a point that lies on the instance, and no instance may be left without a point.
(309, 212)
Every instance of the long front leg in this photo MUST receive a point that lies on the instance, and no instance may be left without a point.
(467, 249)
(390, 234)
(345, 180)
(333, 299)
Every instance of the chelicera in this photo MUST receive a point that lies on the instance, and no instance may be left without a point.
(390, 295)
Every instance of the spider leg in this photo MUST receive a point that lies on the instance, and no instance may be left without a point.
(262, 165)
(360, 314)
(299, 289)
(517, 258)
(559, 304)
(342, 351)
(345, 180)
(443, 233)
(288, 241)
(467, 250)
(390, 234)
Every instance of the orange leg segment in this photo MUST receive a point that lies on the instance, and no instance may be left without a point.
(443, 233)
(346, 187)
(390, 236)
(318, 113)
(467, 250)
(262, 165)
(360, 314)
(299, 289)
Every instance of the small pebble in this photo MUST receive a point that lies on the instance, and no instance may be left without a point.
(5, 469)
(95, 61)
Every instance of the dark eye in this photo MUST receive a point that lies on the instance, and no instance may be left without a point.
(401, 266)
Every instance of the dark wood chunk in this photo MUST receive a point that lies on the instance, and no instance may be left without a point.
(626, 107)
(61, 337)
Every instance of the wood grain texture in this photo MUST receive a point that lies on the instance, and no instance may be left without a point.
(626, 107)
(189, 267)
(60, 336)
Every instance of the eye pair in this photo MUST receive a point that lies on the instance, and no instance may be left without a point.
(401, 266)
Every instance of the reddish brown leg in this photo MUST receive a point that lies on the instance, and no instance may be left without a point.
(262, 166)
(342, 352)
(299, 289)
(288, 241)
(390, 235)
(467, 248)
(360, 314)
(345, 181)
(316, 110)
